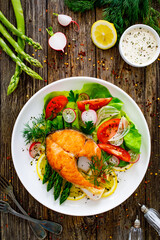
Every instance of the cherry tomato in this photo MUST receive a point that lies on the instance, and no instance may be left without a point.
(107, 130)
(116, 151)
(55, 105)
(94, 104)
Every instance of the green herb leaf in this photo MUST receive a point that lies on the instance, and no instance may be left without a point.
(72, 97)
(50, 31)
(86, 107)
(89, 128)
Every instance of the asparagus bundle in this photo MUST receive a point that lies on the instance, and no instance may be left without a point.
(26, 69)
(17, 7)
(18, 49)
(19, 46)
(15, 31)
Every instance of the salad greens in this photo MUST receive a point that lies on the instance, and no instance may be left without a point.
(41, 127)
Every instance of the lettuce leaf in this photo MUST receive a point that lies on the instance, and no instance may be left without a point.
(95, 90)
(133, 139)
(117, 103)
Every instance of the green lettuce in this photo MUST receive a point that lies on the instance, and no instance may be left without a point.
(132, 140)
(95, 90)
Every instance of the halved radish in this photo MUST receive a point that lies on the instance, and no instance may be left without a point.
(69, 115)
(65, 20)
(134, 156)
(89, 115)
(83, 96)
(114, 160)
(58, 41)
(84, 163)
(34, 149)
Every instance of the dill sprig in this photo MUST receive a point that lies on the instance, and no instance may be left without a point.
(100, 167)
(38, 129)
(122, 13)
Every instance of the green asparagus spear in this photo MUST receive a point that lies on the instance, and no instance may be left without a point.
(26, 69)
(57, 186)
(17, 7)
(48, 172)
(66, 191)
(15, 31)
(18, 49)
(51, 181)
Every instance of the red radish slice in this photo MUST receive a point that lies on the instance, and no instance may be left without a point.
(89, 115)
(114, 160)
(84, 163)
(65, 20)
(58, 41)
(134, 156)
(69, 115)
(83, 96)
(34, 149)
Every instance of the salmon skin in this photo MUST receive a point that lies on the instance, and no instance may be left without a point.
(63, 148)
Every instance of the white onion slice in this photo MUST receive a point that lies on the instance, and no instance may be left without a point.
(117, 142)
(84, 164)
(106, 112)
(123, 129)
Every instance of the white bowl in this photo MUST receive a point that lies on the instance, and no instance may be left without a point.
(128, 181)
(156, 53)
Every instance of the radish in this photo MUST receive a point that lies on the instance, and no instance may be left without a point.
(89, 115)
(65, 20)
(69, 115)
(57, 41)
(114, 160)
(35, 149)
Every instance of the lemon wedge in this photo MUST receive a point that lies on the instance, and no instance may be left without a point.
(110, 185)
(122, 169)
(103, 34)
(40, 166)
(76, 193)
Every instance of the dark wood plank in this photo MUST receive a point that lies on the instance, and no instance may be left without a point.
(143, 85)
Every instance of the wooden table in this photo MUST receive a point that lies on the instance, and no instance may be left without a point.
(81, 58)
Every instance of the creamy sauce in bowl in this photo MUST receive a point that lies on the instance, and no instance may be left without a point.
(139, 45)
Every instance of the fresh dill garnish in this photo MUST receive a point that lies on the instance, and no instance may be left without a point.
(38, 129)
(100, 168)
(122, 13)
(89, 128)
(72, 97)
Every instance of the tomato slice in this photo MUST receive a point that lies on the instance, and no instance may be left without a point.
(55, 105)
(116, 151)
(107, 130)
(94, 104)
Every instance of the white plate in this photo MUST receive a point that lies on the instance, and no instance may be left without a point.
(129, 180)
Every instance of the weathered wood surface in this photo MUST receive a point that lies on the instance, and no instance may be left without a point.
(143, 85)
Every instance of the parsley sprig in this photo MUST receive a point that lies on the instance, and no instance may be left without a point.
(89, 128)
(72, 97)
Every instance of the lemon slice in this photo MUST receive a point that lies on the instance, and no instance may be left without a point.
(111, 185)
(40, 166)
(122, 169)
(76, 193)
(103, 34)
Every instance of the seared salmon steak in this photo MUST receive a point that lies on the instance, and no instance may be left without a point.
(63, 148)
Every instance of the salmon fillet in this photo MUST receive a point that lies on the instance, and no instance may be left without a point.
(63, 148)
